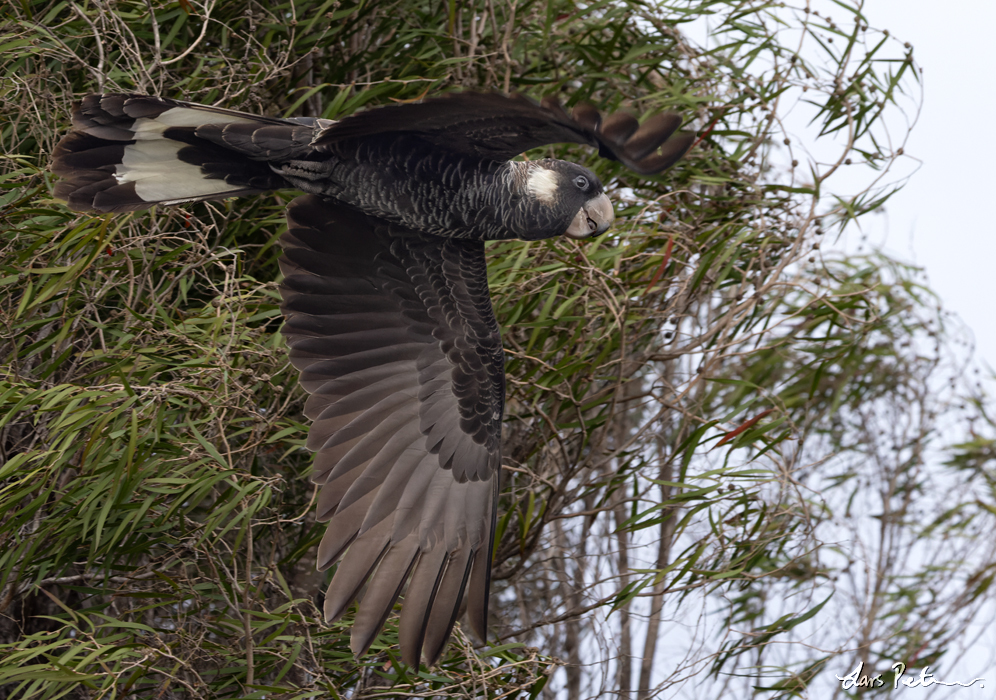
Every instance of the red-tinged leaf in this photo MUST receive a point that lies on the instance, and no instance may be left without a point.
(664, 263)
(743, 426)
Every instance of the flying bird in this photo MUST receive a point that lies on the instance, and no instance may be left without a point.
(385, 295)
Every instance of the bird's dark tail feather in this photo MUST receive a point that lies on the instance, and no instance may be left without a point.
(128, 152)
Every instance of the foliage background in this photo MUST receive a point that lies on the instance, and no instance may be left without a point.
(737, 462)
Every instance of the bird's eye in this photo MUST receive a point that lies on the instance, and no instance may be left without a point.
(581, 182)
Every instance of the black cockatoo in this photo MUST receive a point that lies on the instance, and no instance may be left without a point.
(385, 294)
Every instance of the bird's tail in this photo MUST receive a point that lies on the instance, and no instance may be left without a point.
(128, 152)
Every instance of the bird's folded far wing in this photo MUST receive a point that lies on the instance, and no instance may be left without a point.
(398, 346)
(498, 127)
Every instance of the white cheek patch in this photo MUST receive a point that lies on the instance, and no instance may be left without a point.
(159, 174)
(542, 184)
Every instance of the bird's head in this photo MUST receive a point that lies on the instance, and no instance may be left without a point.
(573, 195)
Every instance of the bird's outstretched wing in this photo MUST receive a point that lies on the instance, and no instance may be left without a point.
(398, 346)
(499, 127)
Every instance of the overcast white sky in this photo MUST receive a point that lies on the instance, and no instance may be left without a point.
(943, 219)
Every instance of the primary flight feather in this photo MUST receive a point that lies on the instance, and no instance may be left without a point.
(385, 291)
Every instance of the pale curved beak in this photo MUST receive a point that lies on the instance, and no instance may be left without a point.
(593, 219)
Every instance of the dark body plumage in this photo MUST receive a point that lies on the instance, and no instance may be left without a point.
(387, 309)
